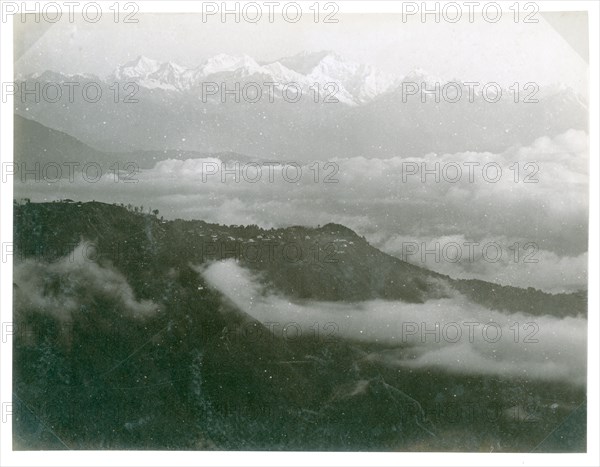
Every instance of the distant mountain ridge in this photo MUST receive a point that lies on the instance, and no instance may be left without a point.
(35, 143)
(357, 83)
(38, 144)
(345, 110)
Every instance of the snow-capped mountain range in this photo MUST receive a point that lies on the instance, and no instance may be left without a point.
(356, 83)
(373, 119)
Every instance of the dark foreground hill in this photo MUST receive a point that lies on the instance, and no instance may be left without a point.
(89, 373)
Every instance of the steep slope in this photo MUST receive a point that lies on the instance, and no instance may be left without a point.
(37, 144)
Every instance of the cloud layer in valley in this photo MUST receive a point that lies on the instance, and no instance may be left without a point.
(451, 334)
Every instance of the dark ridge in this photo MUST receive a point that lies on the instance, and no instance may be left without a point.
(325, 263)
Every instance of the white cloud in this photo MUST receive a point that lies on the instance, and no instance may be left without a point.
(463, 337)
(62, 287)
(502, 260)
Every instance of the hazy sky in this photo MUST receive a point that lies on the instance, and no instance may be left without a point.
(479, 51)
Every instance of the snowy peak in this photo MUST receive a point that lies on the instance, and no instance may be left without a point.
(228, 63)
(335, 64)
(362, 82)
(324, 64)
(305, 62)
(138, 68)
(168, 70)
(152, 74)
(169, 76)
(356, 83)
(281, 73)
